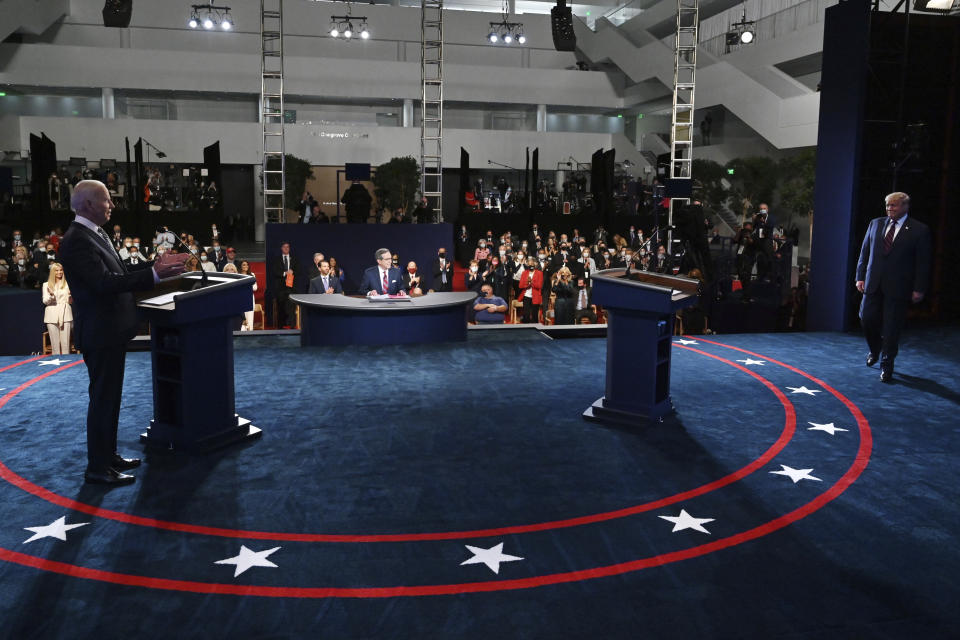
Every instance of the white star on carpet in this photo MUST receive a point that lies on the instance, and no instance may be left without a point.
(248, 558)
(687, 521)
(56, 529)
(795, 474)
(809, 392)
(55, 362)
(829, 428)
(682, 341)
(491, 557)
(749, 362)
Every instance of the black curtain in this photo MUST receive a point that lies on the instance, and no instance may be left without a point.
(138, 181)
(43, 162)
(526, 183)
(128, 197)
(464, 184)
(535, 175)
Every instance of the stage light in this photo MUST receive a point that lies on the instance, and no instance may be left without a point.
(207, 23)
(522, 39)
(210, 16)
(505, 30)
(227, 23)
(343, 26)
(746, 37)
(742, 32)
(493, 36)
(193, 22)
(507, 38)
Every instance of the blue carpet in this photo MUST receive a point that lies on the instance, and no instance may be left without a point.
(379, 466)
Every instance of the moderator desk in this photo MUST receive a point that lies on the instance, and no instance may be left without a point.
(332, 319)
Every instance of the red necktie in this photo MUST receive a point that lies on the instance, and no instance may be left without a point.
(386, 286)
(888, 239)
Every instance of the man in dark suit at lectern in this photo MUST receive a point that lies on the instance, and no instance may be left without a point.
(383, 278)
(893, 270)
(106, 319)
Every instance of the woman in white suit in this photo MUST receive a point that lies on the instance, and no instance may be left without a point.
(57, 315)
(248, 315)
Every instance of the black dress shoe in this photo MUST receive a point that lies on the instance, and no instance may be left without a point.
(122, 464)
(872, 359)
(886, 374)
(109, 476)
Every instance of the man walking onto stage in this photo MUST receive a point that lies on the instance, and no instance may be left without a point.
(893, 270)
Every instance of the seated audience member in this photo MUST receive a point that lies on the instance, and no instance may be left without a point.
(205, 263)
(125, 249)
(395, 261)
(133, 256)
(662, 263)
(481, 253)
(565, 301)
(325, 282)
(248, 315)
(412, 280)
(57, 314)
(473, 280)
(488, 308)
(584, 307)
(531, 291)
(230, 268)
(22, 273)
(231, 258)
(337, 272)
(314, 269)
(384, 278)
(442, 272)
(217, 255)
(501, 277)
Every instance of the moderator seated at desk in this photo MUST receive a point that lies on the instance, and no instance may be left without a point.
(341, 320)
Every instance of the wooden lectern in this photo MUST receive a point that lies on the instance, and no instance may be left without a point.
(191, 340)
(641, 308)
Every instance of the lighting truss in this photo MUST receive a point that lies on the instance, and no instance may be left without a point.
(210, 16)
(342, 26)
(505, 31)
(743, 32)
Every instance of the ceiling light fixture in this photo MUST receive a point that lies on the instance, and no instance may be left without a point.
(210, 16)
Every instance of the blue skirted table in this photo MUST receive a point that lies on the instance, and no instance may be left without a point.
(331, 319)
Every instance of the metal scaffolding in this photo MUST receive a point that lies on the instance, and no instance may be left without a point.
(684, 82)
(273, 180)
(431, 104)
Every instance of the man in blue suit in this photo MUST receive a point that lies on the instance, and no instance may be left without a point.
(893, 270)
(325, 282)
(383, 278)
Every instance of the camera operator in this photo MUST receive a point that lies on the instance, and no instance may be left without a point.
(763, 241)
(746, 253)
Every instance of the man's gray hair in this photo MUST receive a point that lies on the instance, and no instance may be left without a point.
(82, 191)
(899, 196)
(379, 254)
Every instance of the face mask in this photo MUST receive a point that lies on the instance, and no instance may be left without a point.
(503, 253)
(136, 244)
(21, 262)
(473, 269)
(216, 247)
(134, 256)
(193, 251)
(442, 254)
(531, 267)
(128, 244)
(542, 257)
(495, 263)
(524, 245)
(396, 262)
(586, 256)
(51, 256)
(16, 236)
(411, 271)
(203, 258)
(482, 245)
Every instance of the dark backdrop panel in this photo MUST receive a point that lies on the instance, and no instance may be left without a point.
(238, 199)
(353, 245)
(845, 52)
(21, 323)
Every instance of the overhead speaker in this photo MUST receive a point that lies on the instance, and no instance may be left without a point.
(561, 25)
(116, 13)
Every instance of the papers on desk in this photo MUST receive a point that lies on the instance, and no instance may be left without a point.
(159, 301)
(388, 298)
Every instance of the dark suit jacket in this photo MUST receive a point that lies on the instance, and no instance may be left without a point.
(218, 261)
(905, 269)
(437, 275)
(423, 281)
(104, 311)
(316, 284)
(371, 281)
(278, 279)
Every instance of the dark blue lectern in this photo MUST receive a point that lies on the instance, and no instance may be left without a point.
(641, 308)
(191, 340)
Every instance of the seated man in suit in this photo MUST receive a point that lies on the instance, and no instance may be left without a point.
(584, 307)
(383, 278)
(490, 309)
(325, 282)
(412, 280)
